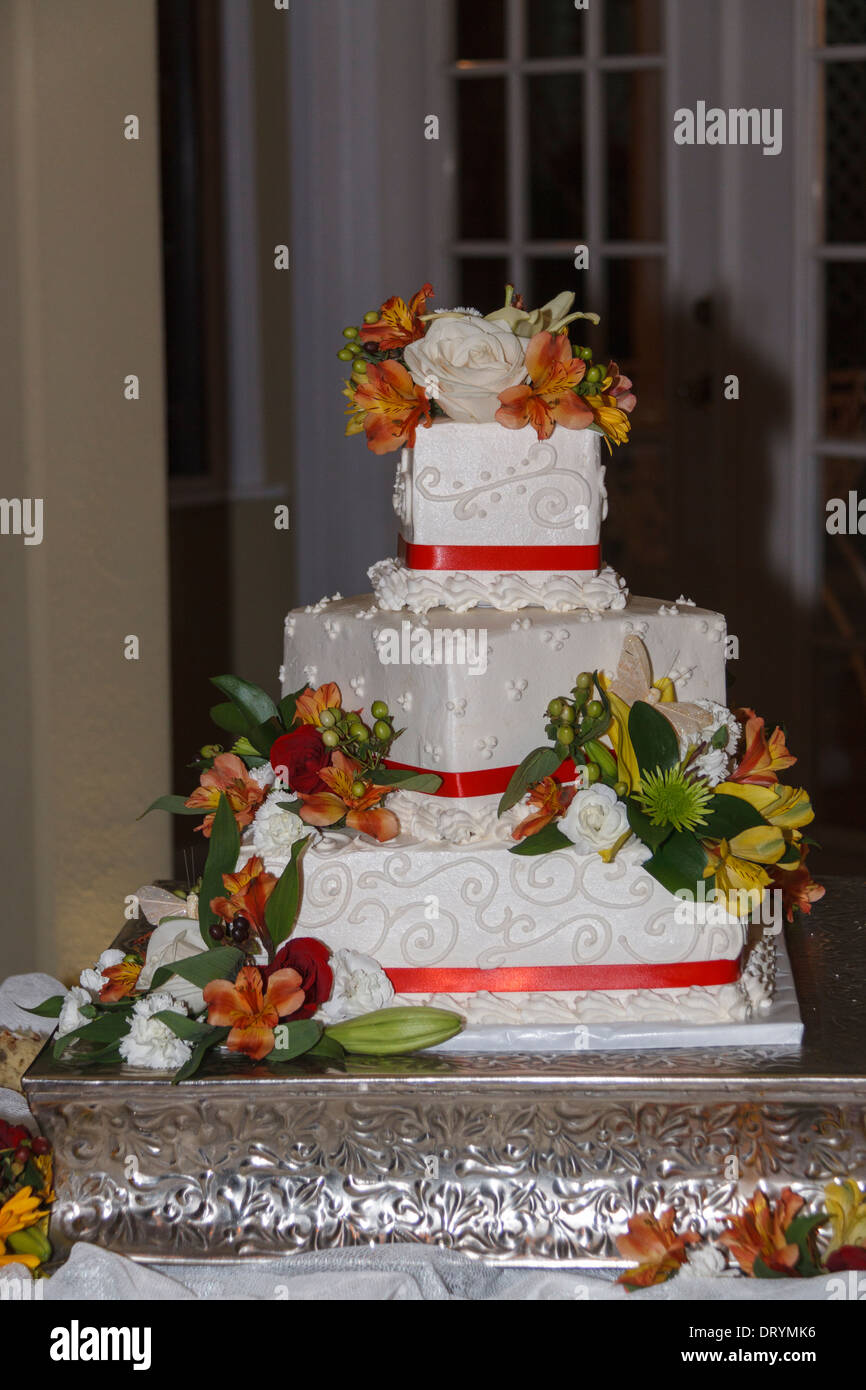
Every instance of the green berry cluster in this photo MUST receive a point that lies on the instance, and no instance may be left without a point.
(576, 724)
(354, 351)
(367, 744)
(594, 374)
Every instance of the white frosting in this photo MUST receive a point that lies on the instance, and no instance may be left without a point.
(471, 820)
(396, 586)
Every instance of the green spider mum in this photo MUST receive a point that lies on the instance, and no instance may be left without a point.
(672, 798)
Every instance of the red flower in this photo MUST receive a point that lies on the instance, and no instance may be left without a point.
(12, 1135)
(846, 1257)
(310, 958)
(302, 754)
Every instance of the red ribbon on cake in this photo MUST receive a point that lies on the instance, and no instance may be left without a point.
(499, 557)
(487, 781)
(527, 979)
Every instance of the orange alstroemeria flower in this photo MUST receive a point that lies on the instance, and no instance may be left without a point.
(390, 406)
(550, 399)
(361, 811)
(764, 757)
(550, 800)
(248, 892)
(228, 775)
(654, 1243)
(20, 1211)
(798, 888)
(309, 706)
(398, 323)
(122, 980)
(760, 1231)
(251, 1012)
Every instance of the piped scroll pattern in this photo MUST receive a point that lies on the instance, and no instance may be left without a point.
(552, 507)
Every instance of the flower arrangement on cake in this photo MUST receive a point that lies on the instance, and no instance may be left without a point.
(696, 783)
(513, 365)
(221, 968)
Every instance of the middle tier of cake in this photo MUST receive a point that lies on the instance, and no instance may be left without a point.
(471, 689)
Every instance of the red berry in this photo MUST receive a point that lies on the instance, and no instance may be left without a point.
(41, 1145)
(21, 1155)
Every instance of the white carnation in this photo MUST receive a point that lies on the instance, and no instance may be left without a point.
(715, 763)
(595, 820)
(93, 980)
(262, 776)
(71, 1016)
(464, 363)
(360, 986)
(274, 831)
(151, 1043)
(706, 1261)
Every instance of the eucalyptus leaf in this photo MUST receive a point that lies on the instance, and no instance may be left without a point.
(222, 859)
(543, 842)
(253, 702)
(655, 744)
(219, 963)
(541, 762)
(175, 804)
(282, 906)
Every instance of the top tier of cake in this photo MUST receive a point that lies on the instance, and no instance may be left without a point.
(497, 517)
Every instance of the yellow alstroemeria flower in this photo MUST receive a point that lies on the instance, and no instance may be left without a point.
(788, 808)
(736, 865)
(846, 1207)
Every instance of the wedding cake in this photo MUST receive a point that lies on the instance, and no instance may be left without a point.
(584, 886)
(498, 790)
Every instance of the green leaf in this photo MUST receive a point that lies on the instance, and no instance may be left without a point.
(199, 1052)
(541, 762)
(229, 718)
(216, 964)
(282, 906)
(328, 1047)
(49, 1008)
(762, 1271)
(297, 1038)
(597, 727)
(105, 1028)
(222, 859)
(287, 706)
(728, 815)
(293, 806)
(651, 835)
(404, 777)
(175, 804)
(654, 741)
(254, 704)
(190, 1029)
(801, 1232)
(546, 840)
(679, 862)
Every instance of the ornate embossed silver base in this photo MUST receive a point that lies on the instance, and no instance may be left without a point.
(510, 1157)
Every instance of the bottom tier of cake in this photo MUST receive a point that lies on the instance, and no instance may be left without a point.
(555, 938)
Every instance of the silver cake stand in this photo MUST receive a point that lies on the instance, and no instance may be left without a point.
(512, 1157)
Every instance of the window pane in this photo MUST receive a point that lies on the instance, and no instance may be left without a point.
(632, 333)
(481, 143)
(845, 144)
(556, 156)
(845, 350)
(482, 282)
(841, 21)
(632, 26)
(555, 29)
(480, 29)
(633, 162)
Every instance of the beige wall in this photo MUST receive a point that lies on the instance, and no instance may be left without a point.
(85, 731)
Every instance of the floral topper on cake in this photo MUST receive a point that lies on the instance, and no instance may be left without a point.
(514, 365)
(222, 967)
(695, 783)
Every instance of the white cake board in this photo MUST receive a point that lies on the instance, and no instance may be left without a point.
(780, 1025)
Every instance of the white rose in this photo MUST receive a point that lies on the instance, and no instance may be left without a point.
(175, 939)
(274, 831)
(464, 363)
(595, 819)
(360, 986)
(71, 1016)
(150, 1043)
